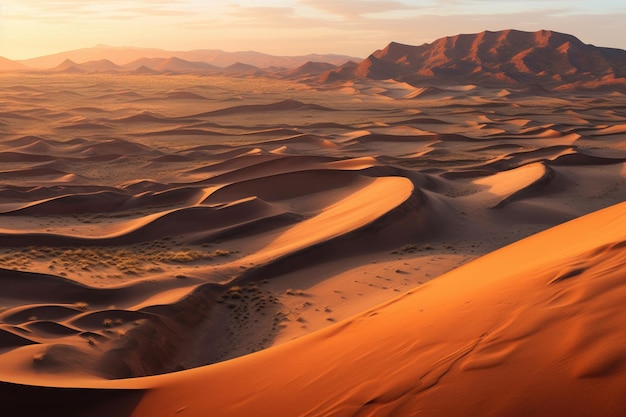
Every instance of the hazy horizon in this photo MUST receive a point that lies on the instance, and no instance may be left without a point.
(36, 28)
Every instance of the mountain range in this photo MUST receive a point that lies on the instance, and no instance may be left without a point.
(125, 55)
(506, 58)
(509, 58)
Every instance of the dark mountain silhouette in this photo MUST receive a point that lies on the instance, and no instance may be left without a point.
(506, 58)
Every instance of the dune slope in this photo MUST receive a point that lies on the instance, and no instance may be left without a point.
(543, 338)
(153, 225)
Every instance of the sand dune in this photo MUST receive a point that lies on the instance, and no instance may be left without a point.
(291, 241)
(506, 186)
(23, 157)
(284, 105)
(410, 355)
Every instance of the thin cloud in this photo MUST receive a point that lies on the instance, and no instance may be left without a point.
(262, 13)
(286, 27)
(155, 12)
(36, 9)
(356, 8)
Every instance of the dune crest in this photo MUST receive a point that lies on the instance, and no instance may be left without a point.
(160, 233)
(425, 358)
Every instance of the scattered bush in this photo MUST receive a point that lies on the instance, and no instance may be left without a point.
(135, 259)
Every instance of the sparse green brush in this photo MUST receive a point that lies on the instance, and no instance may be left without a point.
(178, 257)
(412, 248)
(81, 305)
(189, 256)
(136, 259)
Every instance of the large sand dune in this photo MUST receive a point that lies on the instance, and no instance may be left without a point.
(543, 338)
(273, 243)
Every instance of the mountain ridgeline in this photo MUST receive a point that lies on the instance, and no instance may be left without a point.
(546, 59)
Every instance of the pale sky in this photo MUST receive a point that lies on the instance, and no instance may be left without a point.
(30, 28)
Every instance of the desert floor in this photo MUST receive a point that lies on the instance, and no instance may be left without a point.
(152, 224)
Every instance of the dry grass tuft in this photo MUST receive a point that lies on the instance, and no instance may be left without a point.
(139, 259)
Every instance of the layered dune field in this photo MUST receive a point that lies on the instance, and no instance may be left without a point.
(239, 246)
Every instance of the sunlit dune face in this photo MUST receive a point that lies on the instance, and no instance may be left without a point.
(246, 235)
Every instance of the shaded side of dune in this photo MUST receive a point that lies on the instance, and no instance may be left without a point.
(29, 401)
(485, 339)
(418, 219)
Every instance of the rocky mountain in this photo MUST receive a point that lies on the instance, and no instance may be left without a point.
(543, 60)
(506, 58)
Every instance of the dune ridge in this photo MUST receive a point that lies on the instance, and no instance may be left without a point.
(215, 230)
(544, 299)
(422, 379)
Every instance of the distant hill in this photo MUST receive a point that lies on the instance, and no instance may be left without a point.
(542, 60)
(124, 55)
(181, 66)
(67, 66)
(143, 70)
(311, 68)
(101, 65)
(9, 65)
(150, 63)
(242, 69)
(506, 58)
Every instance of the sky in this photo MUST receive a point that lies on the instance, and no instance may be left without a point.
(30, 28)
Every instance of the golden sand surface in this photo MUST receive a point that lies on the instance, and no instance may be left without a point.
(286, 240)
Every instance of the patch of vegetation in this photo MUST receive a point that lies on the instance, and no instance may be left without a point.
(412, 248)
(81, 305)
(138, 259)
(295, 292)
